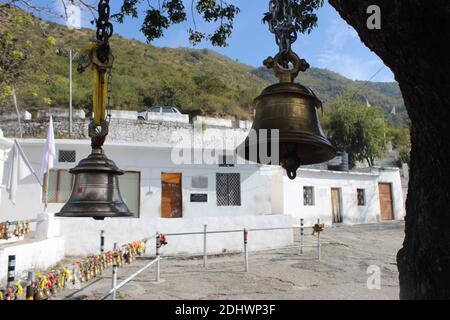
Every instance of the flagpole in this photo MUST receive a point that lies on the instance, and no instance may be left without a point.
(47, 179)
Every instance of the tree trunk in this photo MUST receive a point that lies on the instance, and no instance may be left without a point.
(412, 41)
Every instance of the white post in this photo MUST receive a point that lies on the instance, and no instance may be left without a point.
(245, 250)
(70, 93)
(318, 242)
(114, 276)
(205, 256)
(302, 236)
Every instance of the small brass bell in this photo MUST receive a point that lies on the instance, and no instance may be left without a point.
(54, 289)
(292, 109)
(39, 295)
(96, 189)
(47, 292)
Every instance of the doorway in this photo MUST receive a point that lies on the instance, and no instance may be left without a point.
(171, 198)
(386, 210)
(336, 205)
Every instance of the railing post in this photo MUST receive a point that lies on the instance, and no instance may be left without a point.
(318, 242)
(11, 271)
(102, 241)
(302, 236)
(30, 286)
(158, 261)
(246, 249)
(205, 256)
(114, 276)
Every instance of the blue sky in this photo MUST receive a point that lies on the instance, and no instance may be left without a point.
(333, 45)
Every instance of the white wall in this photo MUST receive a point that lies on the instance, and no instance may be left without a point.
(167, 117)
(255, 190)
(392, 175)
(31, 254)
(5, 146)
(124, 114)
(218, 122)
(82, 235)
(323, 181)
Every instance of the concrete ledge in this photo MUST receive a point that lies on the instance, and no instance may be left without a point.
(31, 254)
(82, 235)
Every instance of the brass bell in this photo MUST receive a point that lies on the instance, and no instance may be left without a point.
(54, 289)
(292, 109)
(47, 292)
(95, 191)
(39, 295)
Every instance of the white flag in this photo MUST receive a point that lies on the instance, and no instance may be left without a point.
(73, 13)
(19, 170)
(50, 150)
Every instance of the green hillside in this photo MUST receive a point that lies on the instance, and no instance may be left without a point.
(143, 75)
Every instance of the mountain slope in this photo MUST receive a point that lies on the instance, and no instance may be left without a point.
(193, 80)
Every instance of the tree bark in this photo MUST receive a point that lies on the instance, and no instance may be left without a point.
(413, 42)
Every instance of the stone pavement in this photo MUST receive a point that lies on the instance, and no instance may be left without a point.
(347, 253)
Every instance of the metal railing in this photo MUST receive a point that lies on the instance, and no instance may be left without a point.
(115, 287)
(157, 260)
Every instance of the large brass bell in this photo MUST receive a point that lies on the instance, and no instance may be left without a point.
(292, 109)
(95, 191)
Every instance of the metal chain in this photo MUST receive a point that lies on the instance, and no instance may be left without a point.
(104, 27)
(104, 55)
(281, 24)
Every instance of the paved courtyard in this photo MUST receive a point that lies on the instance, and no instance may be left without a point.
(347, 252)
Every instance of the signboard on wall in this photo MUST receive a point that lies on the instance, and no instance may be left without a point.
(199, 197)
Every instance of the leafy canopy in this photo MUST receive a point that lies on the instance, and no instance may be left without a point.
(159, 15)
(357, 129)
(17, 49)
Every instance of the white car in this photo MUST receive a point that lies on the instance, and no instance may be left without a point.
(153, 112)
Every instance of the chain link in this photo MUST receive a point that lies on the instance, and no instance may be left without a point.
(104, 27)
(281, 24)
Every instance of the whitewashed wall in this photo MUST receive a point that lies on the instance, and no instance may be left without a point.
(5, 146)
(219, 122)
(391, 175)
(83, 234)
(348, 182)
(31, 255)
(151, 162)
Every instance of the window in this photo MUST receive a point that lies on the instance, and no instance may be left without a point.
(130, 190)
(60, 184)
(308, 196)
(199, 182)
(66, 156)
(228, 189)
(361, 194)
(167, 110)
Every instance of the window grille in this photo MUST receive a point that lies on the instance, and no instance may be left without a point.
(66, 155)
(361, 194)
(228, 189)
(308, 196)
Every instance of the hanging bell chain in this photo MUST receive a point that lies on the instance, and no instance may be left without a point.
(281, 22)
(101, 60)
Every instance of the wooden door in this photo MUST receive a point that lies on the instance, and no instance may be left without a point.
(336, 205)
(171, 200)
(385, 201)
